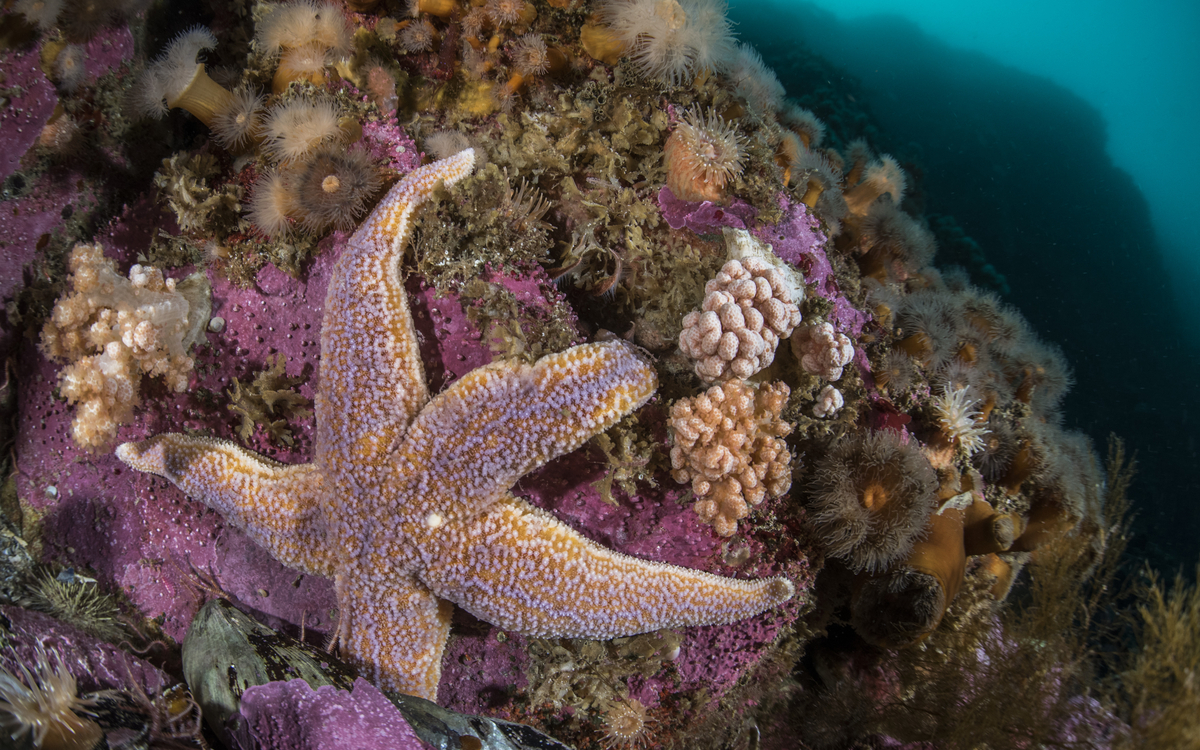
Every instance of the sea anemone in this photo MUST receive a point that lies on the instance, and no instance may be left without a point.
(625, 724)
(703, 153)
(176, 80)
(893, 244)
(529, 55)
(294, 130)
(755, 82)
(672, 40)
(959, 419)
(905, 604)
(69, 67)
(300, 23)
(241, 122)
(505, 11)
(870, 499)
(446, 143)
(896, 372)
(41, 13)
(272, 205)
(927, 323)
(43, 701)
(61, 135)
(418, 36)
(883, 177)
(804, 124)
(473, 23)
(1043, 376)
(304, 34)
(997, 452)
(305, 63)
(332, 188)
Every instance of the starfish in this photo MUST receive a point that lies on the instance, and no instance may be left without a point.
(406, 504)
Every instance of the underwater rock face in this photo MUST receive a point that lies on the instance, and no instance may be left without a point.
(567, 236)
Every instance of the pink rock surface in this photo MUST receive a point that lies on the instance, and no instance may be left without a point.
(704, 217)
(29, 106)
(292, 716)
(94, 664)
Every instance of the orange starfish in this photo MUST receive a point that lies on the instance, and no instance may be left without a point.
(407, 502)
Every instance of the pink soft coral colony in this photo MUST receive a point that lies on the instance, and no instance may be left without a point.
(505, 360)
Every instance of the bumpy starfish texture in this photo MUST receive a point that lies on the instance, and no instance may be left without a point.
(407, 502)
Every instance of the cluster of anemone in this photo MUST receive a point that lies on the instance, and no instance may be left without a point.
(332, 187)
(671, 41)
(306, 36)
(318, 181)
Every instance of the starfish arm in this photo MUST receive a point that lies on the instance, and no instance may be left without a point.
(477, 438)
(372, 382)
(520, 568)
(277, 505)
(392, 627)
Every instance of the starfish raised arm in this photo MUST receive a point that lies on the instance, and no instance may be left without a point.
(478, 437)
(277, 505)
(372, 383)
(520, 568)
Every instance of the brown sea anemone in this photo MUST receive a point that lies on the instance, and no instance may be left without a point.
(882, 177)
(418, 36)
(529, 55)
(703, 154)
(804, 124)
(755, 82)
(300, 23)
(896, 372)
(333, 188)
(241, 122)
(305, 35)
(906, 603)
(446, 143)
(893, 244)
(870, 499)
(69, 68)
(505, 11)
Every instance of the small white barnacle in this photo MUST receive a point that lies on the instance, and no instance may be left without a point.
(435, 520)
